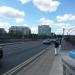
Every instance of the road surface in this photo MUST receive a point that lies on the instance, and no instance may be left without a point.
(17, 53)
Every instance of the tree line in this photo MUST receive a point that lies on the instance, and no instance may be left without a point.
(11, 35)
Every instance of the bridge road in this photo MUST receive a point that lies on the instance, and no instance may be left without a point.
(17, 53)
(43, 65)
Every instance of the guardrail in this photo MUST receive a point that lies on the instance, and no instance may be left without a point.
(68, 65)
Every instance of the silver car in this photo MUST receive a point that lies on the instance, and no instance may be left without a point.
(47, 41)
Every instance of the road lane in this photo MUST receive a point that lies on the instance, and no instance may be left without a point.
(18, 53)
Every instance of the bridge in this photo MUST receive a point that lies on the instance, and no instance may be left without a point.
(33, 58)
(49, 64)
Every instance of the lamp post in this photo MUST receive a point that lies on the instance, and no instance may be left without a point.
(63, 33)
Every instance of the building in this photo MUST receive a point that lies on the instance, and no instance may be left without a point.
(44, 30)
(20, 29)
(2, 31)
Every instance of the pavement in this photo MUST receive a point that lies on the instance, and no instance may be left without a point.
(57, 68)
(47, 64)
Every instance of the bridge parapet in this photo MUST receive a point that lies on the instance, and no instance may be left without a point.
(68, 65)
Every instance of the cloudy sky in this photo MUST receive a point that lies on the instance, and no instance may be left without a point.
(58, 14)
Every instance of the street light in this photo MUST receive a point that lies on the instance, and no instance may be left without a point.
(63, 33)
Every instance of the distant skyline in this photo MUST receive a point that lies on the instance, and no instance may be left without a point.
(58, 14)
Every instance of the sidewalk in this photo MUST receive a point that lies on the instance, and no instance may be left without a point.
(47, 64)
(57, 66)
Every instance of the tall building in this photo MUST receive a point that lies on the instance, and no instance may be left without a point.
(44, 30)
(20, 29)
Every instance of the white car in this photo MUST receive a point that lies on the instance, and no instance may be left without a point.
(47, 41)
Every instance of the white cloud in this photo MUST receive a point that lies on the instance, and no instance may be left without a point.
(65, 17)
(19, 21)
(46, 5)
(57, 27)
(45, 21)
(58, 31)
(34, 30)
(68, 28)
(11, 12)
(26, 25)
(4, 25)
(24, 1)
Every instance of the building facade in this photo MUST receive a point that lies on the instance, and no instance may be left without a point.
(2, 33)
(44, 30)
(20, 30)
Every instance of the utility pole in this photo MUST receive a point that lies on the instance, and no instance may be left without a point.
(63, 33)
(63, 30)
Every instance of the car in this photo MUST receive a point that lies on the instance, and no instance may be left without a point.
(47, 41)
(1, 53)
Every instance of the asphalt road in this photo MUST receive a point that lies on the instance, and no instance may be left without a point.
(18, 53)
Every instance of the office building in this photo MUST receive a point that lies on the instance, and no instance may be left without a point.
(44, 30)
(20, 29)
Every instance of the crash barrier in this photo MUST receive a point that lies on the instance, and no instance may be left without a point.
(68, 65)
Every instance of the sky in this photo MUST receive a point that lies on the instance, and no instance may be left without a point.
(58, 14)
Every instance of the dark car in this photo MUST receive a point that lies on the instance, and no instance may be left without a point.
(1, 52)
